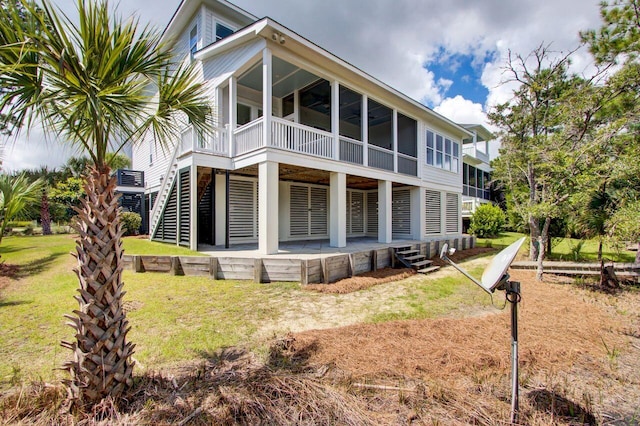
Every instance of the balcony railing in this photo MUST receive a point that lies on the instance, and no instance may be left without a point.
(476, 153)
(249, 137)
(133, 178)
(295, 137)
(298, 138)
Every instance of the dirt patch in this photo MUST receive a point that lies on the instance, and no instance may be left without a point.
(8, 272)
(362, 281)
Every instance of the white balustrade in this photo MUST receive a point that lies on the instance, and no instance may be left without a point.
(351, 150)
(216, 142)
(298, 138)
(186, 140)
(249, 137)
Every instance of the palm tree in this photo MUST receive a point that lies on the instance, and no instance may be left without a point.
(98, 84)
(18, 197)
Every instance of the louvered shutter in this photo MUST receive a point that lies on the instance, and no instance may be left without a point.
(401, 212)
(319, 211)
(185, 209)
(166, 229)
(453, 213)
(355, 212)
(243, 207)
(372, 213)
(433, 216)
(299, 211)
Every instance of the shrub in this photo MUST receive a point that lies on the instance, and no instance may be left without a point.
(130, 222)
(487, 221)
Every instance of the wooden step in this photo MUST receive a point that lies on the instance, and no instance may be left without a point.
(421, 263)
(407, 252)
(428, 270)
(417, 257)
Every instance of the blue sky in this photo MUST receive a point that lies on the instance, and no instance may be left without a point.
(460, 74)
(445, 54)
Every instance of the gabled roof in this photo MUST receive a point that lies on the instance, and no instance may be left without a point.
(187, 8)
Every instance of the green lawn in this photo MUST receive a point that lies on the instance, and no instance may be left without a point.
(565, 248)
(178, 318)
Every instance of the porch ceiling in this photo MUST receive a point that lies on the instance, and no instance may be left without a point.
(286, 78)
(293, 173)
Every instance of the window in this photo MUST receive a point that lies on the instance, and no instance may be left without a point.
(442, 152)
(222, 31)
(193, 41)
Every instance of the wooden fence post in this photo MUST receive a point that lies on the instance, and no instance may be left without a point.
(213, 268)
(257, 270)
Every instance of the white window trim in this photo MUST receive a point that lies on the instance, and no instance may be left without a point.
(443, 151)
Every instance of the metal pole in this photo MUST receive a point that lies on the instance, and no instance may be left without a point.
(513, 296)
(227, 209)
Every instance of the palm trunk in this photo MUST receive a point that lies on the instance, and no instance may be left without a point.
(101, 365)
(45, 216)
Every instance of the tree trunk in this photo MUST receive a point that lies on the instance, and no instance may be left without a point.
(600, 249)
(542, 242)
(534, 230)
(101, 365)
(638, 253)
(45, 216)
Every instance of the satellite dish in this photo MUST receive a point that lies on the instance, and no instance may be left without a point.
(494, 274)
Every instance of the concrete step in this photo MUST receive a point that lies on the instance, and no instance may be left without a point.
(428, 270)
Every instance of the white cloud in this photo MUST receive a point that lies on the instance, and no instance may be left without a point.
(462, 111)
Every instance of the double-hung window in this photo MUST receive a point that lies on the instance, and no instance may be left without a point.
(442, 152)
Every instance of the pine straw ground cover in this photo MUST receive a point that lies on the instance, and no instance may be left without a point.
(580, 364)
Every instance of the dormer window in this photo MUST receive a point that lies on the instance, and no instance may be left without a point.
(222, 31)
(193, 41)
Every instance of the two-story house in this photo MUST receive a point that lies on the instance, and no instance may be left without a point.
(305, 146)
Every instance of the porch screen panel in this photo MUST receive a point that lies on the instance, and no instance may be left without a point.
(243, 208)
(299, 211)
(453, 213)
(372, 213)
(433, 216)
(401, 212)
(318, 211)
(185, 209)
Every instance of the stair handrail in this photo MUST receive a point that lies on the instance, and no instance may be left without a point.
(165, 182)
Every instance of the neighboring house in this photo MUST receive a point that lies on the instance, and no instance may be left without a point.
(476, 173)
(305, 146)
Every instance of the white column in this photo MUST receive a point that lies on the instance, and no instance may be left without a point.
(335, 118)
(268, 207)
(193, 207)
(364, 120)
(233, 112)
(418, 213)
(267, 98)
(395, 140)
(338, 210)
(385, 230)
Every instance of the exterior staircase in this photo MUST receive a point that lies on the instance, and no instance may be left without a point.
(411, 258)
(165, 189)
